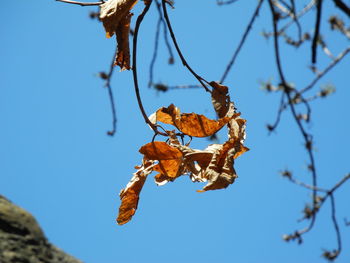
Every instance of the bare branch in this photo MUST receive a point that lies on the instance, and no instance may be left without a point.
(342, 6)
(156, 43)
(81, 3)
(317, 31)
(248, 28)
(155, 51)
(279, 113)
(184, 62)
(220, 2)
(307, 137)
(327, 69)
(134, 68)
(111, 97)
(299, 15)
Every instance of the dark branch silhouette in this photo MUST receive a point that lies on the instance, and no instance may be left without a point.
(241, 43)
(201, 80)
(111, 97)
(81, 3)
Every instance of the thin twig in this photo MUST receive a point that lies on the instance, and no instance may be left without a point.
(317, 31)
(296, 20)
(307, 186)
(306, 136)
(184, 62)
(328, 68)
(285, 9)
(299, 15)
(340, 183)
(248, 28)
(134, 68)
(155, 51)
(165, 34)
(156, 43)
(81, 3)
(342, 6)
(111, 97)
(220, 2)
(279, 113)
(336, 226)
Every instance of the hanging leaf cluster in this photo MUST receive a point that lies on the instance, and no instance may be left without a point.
(172, 159)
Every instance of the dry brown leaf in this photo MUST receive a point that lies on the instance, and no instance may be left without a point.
(169, 158)
(123, 54)
(220, 172)
(220, 98)
(160, 151)
(236, 126)
(130, 194)
(115, 16)
(112, 12)
(215, 164)
(190, 123)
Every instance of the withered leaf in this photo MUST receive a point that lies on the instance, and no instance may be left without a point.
(123, 53)
(112, 12)
(130, 194)
(220, 98)
(169, 160)
(220, 172)
(236, 129)
(115, 16)
(191, 124)
(160, 151)
(216, 164)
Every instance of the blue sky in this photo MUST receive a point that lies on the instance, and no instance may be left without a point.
(59, 164)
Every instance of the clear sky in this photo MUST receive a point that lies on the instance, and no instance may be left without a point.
(58, 163)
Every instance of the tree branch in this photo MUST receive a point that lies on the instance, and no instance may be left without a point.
(111, 97)
(342, 6)
(326, 70)
(81, 3)
(134, 68)
(248, 28)
(184, 62)
(317, 31)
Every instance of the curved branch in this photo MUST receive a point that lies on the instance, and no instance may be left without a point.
(184, 62)
(134, 68)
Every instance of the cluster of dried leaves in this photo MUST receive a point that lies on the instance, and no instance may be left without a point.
(173, 159)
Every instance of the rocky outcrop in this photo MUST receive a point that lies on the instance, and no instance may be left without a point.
(23, 241)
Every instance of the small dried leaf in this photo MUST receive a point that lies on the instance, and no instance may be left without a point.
(115, 16)
(130, 194)
(112, 12)
(170, 160)
(123, 54)
(236, 125)
(160, 151)
(190, 123)
(168, 115)
(220, 98)
(220, 171)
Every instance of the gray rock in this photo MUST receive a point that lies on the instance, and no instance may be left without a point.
(23, 241)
